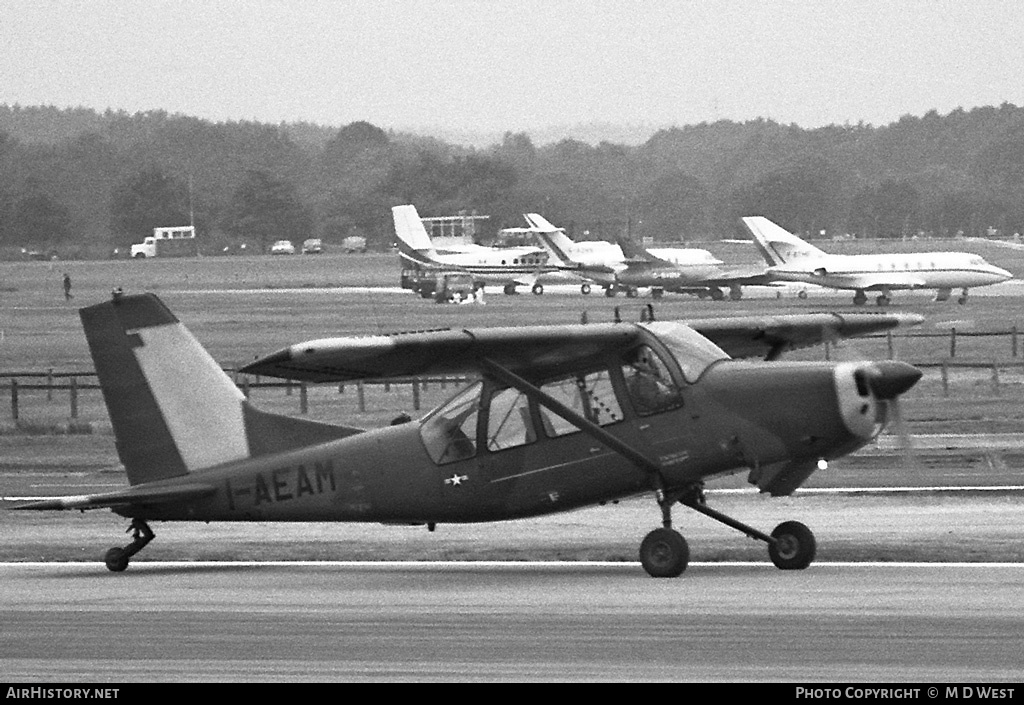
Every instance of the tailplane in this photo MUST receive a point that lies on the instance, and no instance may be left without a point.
(777, 245)
(173, 409)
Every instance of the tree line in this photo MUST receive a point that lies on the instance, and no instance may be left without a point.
(87, 183)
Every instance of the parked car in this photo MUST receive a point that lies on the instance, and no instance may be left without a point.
(282, 247)
(313, 246)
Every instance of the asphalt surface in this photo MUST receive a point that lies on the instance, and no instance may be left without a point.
(510, 622)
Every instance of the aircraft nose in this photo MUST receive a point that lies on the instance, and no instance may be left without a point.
(890, 378)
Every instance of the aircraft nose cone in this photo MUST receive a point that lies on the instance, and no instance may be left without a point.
(892, 378)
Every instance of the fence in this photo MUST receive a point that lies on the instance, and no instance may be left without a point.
(74, 383)
(1000, 355)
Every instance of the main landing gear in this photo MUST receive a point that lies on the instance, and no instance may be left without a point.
(117, 557)
(664, 552)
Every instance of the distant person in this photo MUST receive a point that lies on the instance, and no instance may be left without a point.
(67, 287)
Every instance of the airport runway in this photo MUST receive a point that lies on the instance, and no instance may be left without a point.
(510, 622)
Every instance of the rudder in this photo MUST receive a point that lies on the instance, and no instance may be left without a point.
(172, 407)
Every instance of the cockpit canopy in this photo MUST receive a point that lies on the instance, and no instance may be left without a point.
(637, 381)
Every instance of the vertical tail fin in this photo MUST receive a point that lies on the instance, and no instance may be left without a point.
(172, 407)
(777, 245)
(555, 242)
(413, 240)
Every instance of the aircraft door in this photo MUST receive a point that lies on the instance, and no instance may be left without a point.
(657, 398)
(538, 458)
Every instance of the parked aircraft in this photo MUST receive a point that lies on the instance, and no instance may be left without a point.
(661, 272)
(794, 260)
(508, 266)
(627, 266)
(560, 417)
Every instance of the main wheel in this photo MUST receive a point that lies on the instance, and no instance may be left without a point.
(537, 289)
(794, 546)
(116, 559)
(584, 289)
(664, 553)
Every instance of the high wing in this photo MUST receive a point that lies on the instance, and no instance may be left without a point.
(531, 351)
(539, 351)
(130, 496)
(770, 336)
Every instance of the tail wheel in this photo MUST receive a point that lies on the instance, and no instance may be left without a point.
(116, 559)
(794, 546)
(664, 553)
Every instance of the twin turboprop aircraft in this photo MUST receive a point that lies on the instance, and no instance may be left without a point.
(507, 266)
(560, 417)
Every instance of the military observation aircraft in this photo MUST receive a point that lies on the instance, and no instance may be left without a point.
(561, 417)
(794, 260)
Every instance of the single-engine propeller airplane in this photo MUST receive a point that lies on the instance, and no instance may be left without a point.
(559, 418)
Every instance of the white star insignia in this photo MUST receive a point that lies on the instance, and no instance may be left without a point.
(456, 480)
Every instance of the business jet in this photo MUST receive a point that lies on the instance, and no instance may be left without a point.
(507, 266)
(626, 266)
(791, 259)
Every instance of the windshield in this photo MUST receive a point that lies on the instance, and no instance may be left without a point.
(692, 351)
(449, 433)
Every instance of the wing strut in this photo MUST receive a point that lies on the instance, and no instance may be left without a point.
(592, 429)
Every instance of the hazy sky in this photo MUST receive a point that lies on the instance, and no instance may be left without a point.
(515, 64)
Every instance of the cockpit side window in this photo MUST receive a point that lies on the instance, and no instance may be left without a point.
(651, 387)
(449, 434)
(591, 396)
(508, 420)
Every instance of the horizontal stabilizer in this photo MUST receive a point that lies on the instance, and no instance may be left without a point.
(121, 498)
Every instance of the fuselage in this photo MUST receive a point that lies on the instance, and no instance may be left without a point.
(924, 270)
(721, 423)
(491, 265)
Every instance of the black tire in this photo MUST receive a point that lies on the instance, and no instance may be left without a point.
(794, 546)
(610, 292)
(116, 560)
(537, 289)
(664, 553)
(585, 289)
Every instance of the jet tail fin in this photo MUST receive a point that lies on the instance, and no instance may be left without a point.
(555, 242)
(636, 254)
(173, 409)
(777, 245)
